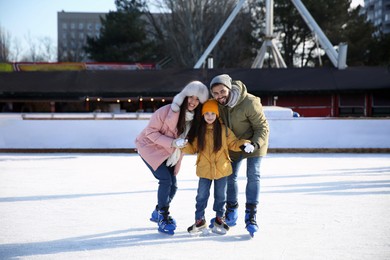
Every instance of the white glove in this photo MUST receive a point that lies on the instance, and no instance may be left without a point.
(179, 143)
(249, 148)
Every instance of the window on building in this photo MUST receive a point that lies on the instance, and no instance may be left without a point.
(81, 26)
(64, 26)
(381, 104)
(352, 105)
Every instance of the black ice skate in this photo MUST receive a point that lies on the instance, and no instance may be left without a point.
(220, 227)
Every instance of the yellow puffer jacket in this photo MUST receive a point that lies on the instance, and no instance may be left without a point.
(211, 165)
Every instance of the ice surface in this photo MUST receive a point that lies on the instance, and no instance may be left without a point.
(97, 206)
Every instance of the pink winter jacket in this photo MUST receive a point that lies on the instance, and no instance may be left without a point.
(154, 142)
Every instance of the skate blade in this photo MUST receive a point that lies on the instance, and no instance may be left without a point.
(219, 231)
(166, 232)
(252, 232)
(199, 232)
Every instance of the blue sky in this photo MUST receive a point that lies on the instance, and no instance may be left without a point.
(38, 18)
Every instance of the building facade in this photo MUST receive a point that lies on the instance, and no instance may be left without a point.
(311, 92)
(73, 29)
(378, 12)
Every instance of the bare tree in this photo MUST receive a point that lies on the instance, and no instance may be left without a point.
(48, 48)
(33, 53)
(188, 26)
(16, 50)
(5, 38)
(39, 49)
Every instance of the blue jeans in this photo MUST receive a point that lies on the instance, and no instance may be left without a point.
(167, 184)
(204, 194)
(253, 181)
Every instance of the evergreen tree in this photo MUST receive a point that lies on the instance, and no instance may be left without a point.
(337, 21)
(123, 36)
(358, 33)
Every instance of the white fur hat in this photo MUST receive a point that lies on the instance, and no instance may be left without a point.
(194, 88)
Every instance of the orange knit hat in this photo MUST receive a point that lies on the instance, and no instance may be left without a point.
(210, 105)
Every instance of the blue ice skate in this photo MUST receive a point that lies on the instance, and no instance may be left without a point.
(250, 219)
(154, 217)
(165, 223)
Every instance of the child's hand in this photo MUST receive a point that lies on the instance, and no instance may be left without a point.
(179, 143)
(248, 148)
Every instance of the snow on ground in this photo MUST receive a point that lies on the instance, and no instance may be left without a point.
(97, 206)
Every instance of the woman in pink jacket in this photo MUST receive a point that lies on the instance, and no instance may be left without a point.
(160, 142)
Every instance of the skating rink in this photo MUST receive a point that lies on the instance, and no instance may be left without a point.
(97, 206)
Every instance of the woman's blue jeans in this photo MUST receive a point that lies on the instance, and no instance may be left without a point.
(253, 181)
(204, 193)
(167, 184)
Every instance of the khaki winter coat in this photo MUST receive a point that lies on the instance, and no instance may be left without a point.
(215, 165)
(247, 121)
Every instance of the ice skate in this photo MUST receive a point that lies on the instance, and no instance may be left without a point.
(165, 223)
(199, 227)
(231, 215)
(250, 219)
(220, 227)
(154, 217)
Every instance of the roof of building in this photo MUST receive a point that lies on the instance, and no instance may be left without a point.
(167, 82)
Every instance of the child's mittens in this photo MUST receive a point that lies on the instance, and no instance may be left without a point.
(248, 148)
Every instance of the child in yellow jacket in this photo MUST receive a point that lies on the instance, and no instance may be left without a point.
(213, 164)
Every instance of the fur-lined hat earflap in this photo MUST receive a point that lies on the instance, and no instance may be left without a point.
(194, 88)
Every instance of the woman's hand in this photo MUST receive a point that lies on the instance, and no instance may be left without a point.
(179, 143)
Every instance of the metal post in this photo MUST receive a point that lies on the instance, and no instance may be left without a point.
(269, 42)
(342, 58)
(325, 43)
(217, 37)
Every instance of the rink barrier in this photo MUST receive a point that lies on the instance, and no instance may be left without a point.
(116, 133)
(133, 151)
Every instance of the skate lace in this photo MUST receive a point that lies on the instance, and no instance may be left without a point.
(252, 218)
(167, 218)
(200, 222)
(221, 222)
(228, 210)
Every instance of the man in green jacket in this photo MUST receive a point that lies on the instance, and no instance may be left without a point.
(243, 114)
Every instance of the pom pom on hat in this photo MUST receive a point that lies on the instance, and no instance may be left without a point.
(194, 88)
(210, 105)
(224, 79)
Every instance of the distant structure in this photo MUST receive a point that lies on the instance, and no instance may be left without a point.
(378, 12)
(337, 57)
(73, 29)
